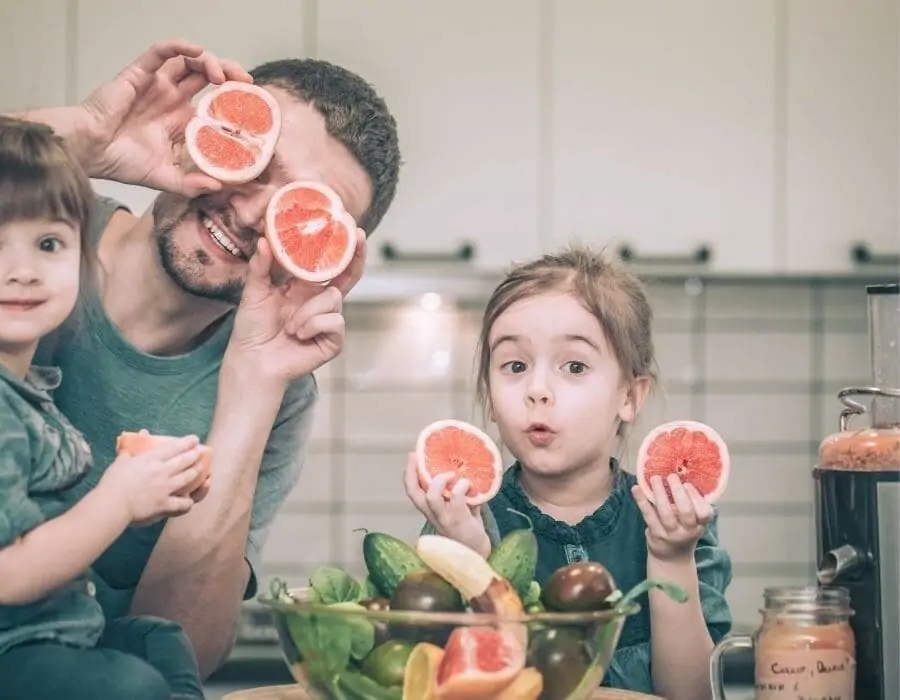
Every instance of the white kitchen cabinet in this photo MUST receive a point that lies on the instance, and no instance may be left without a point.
(112, 34)
(33, 54)
(462, 79)
(842, 133)
(662, 133)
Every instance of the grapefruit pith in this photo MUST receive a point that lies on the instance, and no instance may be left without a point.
(233, 134)
(142, 441)
(456, 446)
(311, 234)
(478, 663)
(690, 449)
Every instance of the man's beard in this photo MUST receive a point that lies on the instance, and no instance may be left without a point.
(186, 268)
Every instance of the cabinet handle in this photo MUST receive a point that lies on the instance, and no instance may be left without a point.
(464, 253)
(862, 254)
(701, 255)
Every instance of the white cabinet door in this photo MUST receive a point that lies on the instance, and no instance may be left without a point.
(34, 56)
(112, 34)
(663, 129)
(843, 125)
(461, 78)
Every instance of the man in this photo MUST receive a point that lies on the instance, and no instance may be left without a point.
(183, 336)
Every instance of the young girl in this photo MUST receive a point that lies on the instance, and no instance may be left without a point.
(565, 362)
(53, 640)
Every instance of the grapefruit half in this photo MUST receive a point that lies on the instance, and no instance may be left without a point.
(143, 441)
(461, 448)
(690, 449)
(311, 235)
(234, 131)
(478, 663)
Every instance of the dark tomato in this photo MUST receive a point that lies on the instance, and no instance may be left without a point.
(425, 591)
(562, 658)
(579, 587)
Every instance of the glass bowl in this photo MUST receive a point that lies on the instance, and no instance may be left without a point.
(349, 651)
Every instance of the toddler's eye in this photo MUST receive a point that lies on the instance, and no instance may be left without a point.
(515, 366)
(50, 244)
(576, 367)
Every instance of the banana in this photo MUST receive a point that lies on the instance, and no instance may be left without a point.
(471, 575)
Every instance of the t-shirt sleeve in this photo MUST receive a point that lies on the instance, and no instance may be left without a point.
(630, 666)
(282, 462)
(18, 512)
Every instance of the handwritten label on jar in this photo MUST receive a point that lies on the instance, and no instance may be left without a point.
(810, 674)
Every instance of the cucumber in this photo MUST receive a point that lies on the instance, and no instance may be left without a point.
(359, 687)
(389, 561)
(515, 558)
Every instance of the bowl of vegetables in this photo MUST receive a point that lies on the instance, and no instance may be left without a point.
(439, 621)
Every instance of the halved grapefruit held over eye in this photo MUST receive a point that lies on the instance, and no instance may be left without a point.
(458, 447)
(693, 451)
(143, 441)
(311, 235)
(233, 134)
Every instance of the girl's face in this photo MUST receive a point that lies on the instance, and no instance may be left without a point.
(556, 389)
(40, 263)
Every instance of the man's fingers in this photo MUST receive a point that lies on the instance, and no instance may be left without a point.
(142, 71)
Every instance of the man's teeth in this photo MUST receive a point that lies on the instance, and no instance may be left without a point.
(219, 237)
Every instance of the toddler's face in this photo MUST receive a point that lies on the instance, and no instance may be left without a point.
(40, 264)
(556, 387)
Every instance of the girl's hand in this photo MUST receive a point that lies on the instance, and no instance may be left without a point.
(673, 530)
(452, 518)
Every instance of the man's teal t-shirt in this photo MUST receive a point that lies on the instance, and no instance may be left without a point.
(108, 386)
(613, 535)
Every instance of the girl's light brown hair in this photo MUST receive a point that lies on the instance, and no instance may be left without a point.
(606, 289)
(39, 178)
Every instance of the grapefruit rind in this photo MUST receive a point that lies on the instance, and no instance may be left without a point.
(260, 146)
(335, 211)
(422, 461)
(143, 441)
(694, 427)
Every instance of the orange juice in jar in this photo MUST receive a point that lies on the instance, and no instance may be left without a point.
(803, 650)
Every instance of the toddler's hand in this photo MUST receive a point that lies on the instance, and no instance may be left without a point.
(148, 483)
(452, 518)
(673, 530)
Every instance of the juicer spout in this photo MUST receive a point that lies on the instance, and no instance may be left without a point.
(837, 562)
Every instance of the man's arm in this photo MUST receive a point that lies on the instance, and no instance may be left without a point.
(198, 573)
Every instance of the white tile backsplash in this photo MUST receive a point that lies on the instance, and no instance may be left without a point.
(759, 418)
(766, 479)
(745, 596)
(299, 538)
(764, 539)
(374, 477)
(757, 357)
(393, 417)
(314, 484)
(846, 357)
(773, 300)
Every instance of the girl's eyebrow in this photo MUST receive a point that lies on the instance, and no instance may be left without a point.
(582, 339)
(504, 339)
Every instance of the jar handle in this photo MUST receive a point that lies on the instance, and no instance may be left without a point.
(727, 644)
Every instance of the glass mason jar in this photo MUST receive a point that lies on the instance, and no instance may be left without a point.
(804, 647)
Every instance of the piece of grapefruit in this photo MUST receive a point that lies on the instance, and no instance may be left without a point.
(478, 663)
(311, 234)
(142, 441)
(234, 131)
(690, 449)
(456, 446)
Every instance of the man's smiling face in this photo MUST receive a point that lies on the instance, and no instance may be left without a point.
(205, 243)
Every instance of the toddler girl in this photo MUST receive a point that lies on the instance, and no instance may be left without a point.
(566, 361)
(53, 640)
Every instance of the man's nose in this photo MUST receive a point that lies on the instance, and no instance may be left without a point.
(249, 204)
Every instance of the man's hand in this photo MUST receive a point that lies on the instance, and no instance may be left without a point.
(132, 128)
(288, 331)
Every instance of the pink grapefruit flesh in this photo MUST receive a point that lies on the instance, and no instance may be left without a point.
(143, 441)
(478, 663)
(311, 234)
(693, 451)
(455, 446)
(233, 134)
